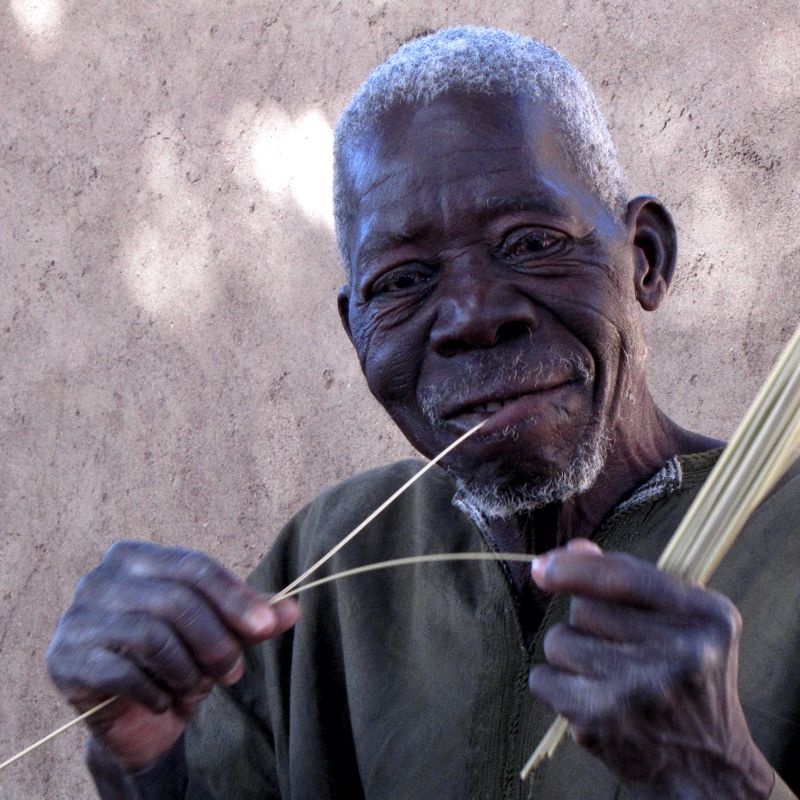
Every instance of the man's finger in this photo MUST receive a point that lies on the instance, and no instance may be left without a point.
(146, 641)
(583, 654)
(212, 645)
(241, 608)
(88, 677)
(619, 578)
(577, 697)
(288, 612)
(622, 623)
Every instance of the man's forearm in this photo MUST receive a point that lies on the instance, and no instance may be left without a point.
(165, 779)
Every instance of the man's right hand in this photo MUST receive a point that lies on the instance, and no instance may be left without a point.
(159, 627)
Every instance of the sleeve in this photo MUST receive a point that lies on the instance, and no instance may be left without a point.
(230, 753)
(284, 731)
(234, 744)
(780, 791)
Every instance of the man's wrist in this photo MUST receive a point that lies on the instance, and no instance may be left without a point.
(163, 779)
(705, 776)
(752, 779)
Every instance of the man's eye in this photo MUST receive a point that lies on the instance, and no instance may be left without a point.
(531, 243)
(399, 279)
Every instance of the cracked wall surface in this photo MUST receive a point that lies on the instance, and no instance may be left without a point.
(171, 362)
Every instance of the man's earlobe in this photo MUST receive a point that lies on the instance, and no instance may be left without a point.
(655, 245)
(343, 301)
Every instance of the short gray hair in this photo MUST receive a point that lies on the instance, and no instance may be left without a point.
(479, 61)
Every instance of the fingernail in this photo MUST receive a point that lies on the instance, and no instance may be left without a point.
(583, 546)
(287, 612)
(233, 674)
(538, 568)
(261, 619)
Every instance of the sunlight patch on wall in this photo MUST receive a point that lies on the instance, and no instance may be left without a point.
(165, 281)
(777, 65)
(167, 259)
(40, 20)
(295, 157)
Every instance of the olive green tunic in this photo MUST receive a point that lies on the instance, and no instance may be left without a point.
(411, 683)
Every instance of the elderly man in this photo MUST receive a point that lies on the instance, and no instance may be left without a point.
(496, 271)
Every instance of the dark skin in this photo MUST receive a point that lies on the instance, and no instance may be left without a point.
(477, 242)
(646, 671)
(160, 627)
(477, 251)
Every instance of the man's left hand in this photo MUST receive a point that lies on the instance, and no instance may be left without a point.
(646, 673)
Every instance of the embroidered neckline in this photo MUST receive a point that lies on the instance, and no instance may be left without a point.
(666, 481)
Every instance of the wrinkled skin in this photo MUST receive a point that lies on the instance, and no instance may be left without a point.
(469, 248)
(160, 627)
(646, 670)
(475, 246)
(488, 282)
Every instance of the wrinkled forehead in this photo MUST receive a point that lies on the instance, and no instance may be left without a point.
(489, 127)
(449, 160)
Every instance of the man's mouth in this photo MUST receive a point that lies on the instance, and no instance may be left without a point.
(504, 414)
(489, 408)
(494, 405)
(505, 396)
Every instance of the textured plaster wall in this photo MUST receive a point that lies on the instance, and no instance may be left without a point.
(171, 362)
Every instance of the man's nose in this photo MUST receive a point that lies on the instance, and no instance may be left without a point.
(479, 311)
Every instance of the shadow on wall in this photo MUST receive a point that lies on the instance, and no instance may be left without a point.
(179, 225)
(172, 365)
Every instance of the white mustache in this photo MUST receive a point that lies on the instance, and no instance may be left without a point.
(487, 370)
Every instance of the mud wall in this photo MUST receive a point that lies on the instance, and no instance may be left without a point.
(171, 362)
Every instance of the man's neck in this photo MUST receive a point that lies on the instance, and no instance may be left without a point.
(639, 449)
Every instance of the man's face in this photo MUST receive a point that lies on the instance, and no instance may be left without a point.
(488, 283)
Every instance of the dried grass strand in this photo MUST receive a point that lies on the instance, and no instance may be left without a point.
(58, 731)
(389, 500)
(431, 558)
(291, 589)
(348, 573)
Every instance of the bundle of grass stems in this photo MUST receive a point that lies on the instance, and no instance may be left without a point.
(763, 447)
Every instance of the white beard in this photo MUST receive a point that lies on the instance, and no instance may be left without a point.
(578, 476)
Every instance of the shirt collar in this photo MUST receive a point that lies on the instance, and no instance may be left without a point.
(666, 481)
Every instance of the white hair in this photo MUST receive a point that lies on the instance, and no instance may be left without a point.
(480, 61)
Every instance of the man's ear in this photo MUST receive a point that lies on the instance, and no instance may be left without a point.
(343, 301)
(655, 247)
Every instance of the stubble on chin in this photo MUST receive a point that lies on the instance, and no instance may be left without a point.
(580, 472)
(503, 502)
(487, 371)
